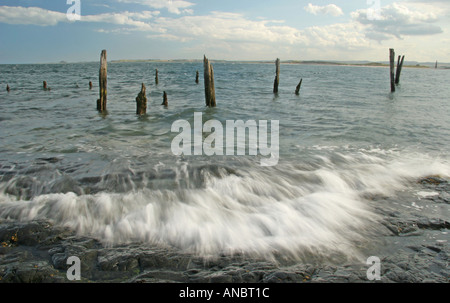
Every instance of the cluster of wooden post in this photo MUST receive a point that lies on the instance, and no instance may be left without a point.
(141, 99)
(395, 75)
(276, 82)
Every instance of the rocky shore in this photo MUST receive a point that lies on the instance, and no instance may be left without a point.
(412, 246)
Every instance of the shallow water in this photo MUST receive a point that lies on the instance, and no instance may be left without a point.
(343, 141)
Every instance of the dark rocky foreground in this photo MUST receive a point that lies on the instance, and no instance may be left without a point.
(412, 245)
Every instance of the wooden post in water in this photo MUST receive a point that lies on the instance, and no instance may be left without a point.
(90, 84)
(297, 89)
(399, 69)
(141, 102)
(45, 87)
(213, 88)
(156, 77)
(277, 76)
(196, 77)
(101, 103)
(7, 88)
(435, 65)
(392, 68)
(210, 93)
(165, 102)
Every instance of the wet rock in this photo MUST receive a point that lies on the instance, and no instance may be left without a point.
(283, 277)
(220, 278)
(59, 261)
(434, 180)
(417, 258)
(160, 276)
(435, 224)
(118, 263)
(30, 272)
(396, 274)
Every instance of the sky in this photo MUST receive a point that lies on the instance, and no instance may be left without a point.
(38, 31)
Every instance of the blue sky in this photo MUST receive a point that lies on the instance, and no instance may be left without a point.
(37, 31)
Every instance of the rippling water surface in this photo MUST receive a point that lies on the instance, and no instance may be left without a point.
(343, 141)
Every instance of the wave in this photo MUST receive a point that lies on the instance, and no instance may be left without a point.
(316, 208)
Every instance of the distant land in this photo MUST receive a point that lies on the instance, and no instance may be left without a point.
(413, 64)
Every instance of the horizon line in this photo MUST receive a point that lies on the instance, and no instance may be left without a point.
(324, 61)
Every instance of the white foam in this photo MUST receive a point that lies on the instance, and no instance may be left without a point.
(283, 209)
(426, 194)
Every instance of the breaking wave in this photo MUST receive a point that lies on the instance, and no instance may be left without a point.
(295, 209)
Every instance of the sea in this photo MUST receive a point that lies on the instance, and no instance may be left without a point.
(345, 144)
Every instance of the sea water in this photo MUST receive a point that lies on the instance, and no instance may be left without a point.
(344, 141)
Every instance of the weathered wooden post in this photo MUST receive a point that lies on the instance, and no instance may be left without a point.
(101, 103)
(45, 87)
(399, 69)
(165, 102)
(156, 77)
(277, 76)
(7, 88)
(210, 93)
(392, 68)
(196, 77)
(141, 102)
(297, 89)
(90, 84)
(436, 65)
(213, 88)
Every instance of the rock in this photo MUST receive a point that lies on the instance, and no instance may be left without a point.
(435, 180)
(42, 249)
(220, 278)
(434, 224)
(39, 272)
(59, 261)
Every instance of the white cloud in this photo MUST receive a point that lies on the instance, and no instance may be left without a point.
(228, 27)
(133, 21)
(397, 20)
(30, 15)
(233, 32)
(43, 17)
(235, 36)
(330, 9)
(173, 6)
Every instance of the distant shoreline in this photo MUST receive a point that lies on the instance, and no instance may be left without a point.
(412, 64)
(369, 64)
